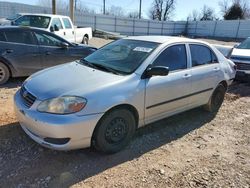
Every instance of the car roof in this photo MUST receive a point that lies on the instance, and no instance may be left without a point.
(21, 27)
(164, 39)
(37, 14)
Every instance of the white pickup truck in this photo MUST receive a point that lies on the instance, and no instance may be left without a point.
(58, 24)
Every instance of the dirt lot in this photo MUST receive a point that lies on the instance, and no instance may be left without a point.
(192, 149)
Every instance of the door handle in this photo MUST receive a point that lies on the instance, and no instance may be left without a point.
(9, 51)
(48, 53)
(186, 76)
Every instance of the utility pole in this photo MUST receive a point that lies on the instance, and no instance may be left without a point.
(53, 6)
(104, 6)
(140, 10)
(71, 9)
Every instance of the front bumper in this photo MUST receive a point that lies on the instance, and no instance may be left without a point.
(40, 126)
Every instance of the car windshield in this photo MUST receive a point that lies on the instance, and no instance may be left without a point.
(245, 44)
(33, 21)
(123, 56)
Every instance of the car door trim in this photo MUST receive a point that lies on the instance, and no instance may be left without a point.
(179, 98)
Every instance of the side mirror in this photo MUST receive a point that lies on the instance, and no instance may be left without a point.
(64, 45)
(155, 71)
(56, 28)
(12, 23)
(51, 29)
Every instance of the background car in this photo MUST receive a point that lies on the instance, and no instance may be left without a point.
(58, 24)
(124, 85)
(240, 55)
(24, 51)
(7, 21)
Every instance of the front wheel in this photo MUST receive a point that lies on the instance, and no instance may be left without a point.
(114, 131)
(216, 99)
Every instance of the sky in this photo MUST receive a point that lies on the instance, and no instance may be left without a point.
(183, 7)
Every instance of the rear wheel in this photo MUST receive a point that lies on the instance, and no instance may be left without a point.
(114, 131)
(4, 73)
(216, 100)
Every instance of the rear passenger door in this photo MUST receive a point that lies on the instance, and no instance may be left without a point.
(22, 51)
(168, 94)
(205, 73)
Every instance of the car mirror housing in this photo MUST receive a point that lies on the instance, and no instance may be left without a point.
(155, 71)
(56, 28)
(51, 29)
(64, 45)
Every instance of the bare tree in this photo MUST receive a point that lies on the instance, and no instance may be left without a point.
(62, 5)
(133, 14)
(162, 9)
(224, 5)
(115, 11)
(194, 16)
(207, 13)
(80, 6)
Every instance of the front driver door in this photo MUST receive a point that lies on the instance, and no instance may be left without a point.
(51, 50)
(22, 51)
(168, 94)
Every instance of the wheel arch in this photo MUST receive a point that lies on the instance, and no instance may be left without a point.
(129, 107)
(224, 83)
(8, 65)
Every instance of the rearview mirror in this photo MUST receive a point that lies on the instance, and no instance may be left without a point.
(64, 45)
(155, 71)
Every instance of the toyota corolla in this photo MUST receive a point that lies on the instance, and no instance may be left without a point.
(102, 99)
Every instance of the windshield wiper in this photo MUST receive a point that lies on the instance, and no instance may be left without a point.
(87, 63)
(105, 68)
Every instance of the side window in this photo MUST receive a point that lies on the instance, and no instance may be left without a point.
(67, 23)
(174, 57)
(201, 55)
(47, 40)
(19, 36)
(56, 22)
(2, 36)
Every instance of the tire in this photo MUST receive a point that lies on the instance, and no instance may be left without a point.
(85, 40)
(114, 131)
(216, 99)
(4, 73)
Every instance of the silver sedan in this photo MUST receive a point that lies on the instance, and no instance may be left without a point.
(102, 99)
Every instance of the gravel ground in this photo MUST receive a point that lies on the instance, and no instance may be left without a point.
(192, 149)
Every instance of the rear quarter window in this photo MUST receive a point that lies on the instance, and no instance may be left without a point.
(18, 36)
(67, 23)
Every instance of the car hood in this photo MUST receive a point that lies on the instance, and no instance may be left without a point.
(69, 79)
(241, 52)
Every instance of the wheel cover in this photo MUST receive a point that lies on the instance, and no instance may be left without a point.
(117, 130)
(2, 74)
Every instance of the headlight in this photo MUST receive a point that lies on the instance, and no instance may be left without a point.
(62, 105)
